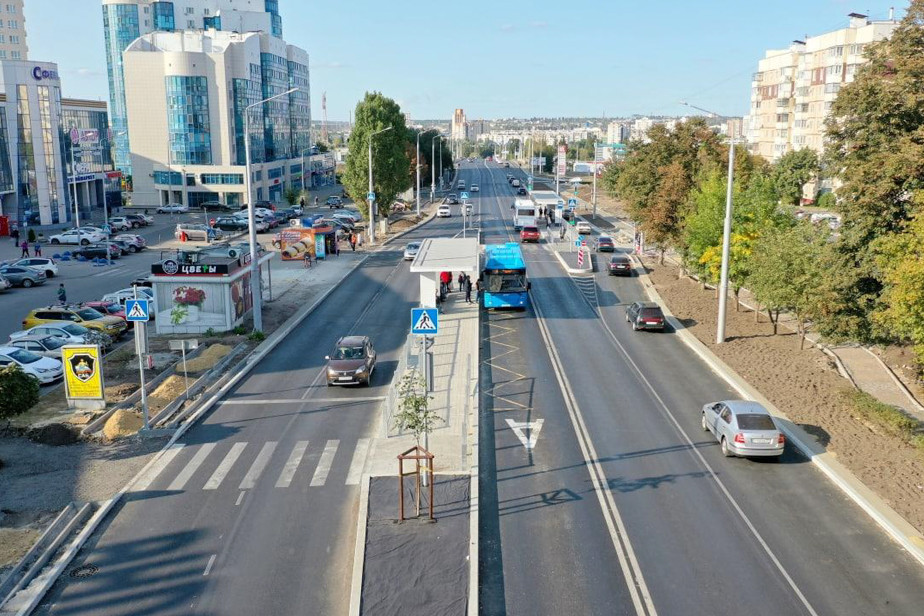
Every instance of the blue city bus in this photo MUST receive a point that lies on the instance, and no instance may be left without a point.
(503, 277)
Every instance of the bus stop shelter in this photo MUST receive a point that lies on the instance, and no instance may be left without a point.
(443, 254)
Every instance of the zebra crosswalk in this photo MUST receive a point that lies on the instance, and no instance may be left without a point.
(209, 466)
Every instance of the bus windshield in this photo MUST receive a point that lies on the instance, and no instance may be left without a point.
(507, 282)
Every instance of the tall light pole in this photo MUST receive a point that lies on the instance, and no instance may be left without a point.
(726, 232)
(432, 168)
(256, 283)
(370, 195)
(418, 173)
(440, 137)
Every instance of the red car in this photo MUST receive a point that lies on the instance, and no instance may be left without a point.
(529, 234)
(113, 309)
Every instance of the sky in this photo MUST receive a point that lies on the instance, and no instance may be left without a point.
(502, 58)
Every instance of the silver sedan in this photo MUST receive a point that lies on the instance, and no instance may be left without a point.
(743, 428)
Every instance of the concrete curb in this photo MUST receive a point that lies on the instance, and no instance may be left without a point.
(898, 382)
(473, 535)
(359, 549)
(894, 525)
(573, 270)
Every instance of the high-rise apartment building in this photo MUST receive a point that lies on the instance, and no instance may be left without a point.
(458, 125)
(124, 21)
(13, 44)
(793, 89)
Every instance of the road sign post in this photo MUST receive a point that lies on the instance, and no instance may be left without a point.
(183, 346)
(137, 310)
(424, 321)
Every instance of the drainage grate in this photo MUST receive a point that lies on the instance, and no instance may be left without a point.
(84, 571)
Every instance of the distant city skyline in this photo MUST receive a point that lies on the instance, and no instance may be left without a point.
(704, 54)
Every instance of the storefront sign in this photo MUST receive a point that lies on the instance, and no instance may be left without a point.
(171, 267)
(83, 372)
(40, 74)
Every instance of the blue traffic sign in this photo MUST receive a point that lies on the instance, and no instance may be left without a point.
(137, 310)
(580, 238)
(463, 195)
(370, 196)
(424, 321)
(572, 203)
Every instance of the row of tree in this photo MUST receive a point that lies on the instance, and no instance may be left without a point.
(394, 154)
(864, 282)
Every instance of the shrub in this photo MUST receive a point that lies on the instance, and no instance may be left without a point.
(239, 330)
(886, 416)
(826, 201)
(31, 235)
(209, 332)
(257, 336)
(18, 391)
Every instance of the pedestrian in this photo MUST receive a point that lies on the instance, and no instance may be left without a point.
(15, 235)
(461, 281)
(337, 245)
(439, 302)
(25, 249)
(315, 202)
(478, 290)
(301, 201)
(62, 294)
(468, 289)
(353, 242)
(307, 259)
(445, 282)
(37, 249)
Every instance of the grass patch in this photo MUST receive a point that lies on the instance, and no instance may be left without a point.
(891, 419)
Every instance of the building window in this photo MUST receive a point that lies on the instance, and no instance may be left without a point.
(163, 16)
(222, 178)
(188, 123)
(190, 10)
(168, 178)
(248, 92)
(276, 120)
(16, 55)
(147, 10)
(258, 175)
(213, 23)
(274, 173)
(121, 26)
(190, 24)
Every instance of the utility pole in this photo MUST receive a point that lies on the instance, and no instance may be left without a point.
(418, 173)
(432, 168)
(594, 194)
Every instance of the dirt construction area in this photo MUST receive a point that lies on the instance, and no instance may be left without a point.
(803, 384)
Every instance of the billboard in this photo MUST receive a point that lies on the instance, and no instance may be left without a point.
(562, 167)
(294, 242)
(83, 372)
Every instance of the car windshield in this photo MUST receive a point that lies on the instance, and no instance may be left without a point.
(619, 260)
(23, 356)
(413, 246)
(75, 330)
(500, 283)
(88, 314)
(51, 343)
(604, 240)
(349, 352)
(754, 421)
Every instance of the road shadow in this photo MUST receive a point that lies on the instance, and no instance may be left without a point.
(820, 435)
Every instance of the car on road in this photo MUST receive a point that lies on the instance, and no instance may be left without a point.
(567, 214)
(139, 220)
(515, 183)
(743, 428)
(475, 188)
(506, 165)
(136, 241)
(444, 211)
(71, 333)
(461, 185)
(47, 264)
(583, 227)
(619, 265)
(23, 276)
(40, 344)
(173, 208)
(231, 223)
(73, 236)
(5, 283)
(604, 243)
(88, 317)
(119, 223)
(451, 199)
(351, 362)
(529, 234)
(411, 250)
(334, 202)
(522, 192)
(353, 217)
(645, 315)
(98, 251)
(44, 369)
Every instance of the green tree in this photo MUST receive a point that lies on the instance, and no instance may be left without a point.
(793, 171)
(322, 147)
(291, 195)
(414, 413)
(390, 163)
(899, 258)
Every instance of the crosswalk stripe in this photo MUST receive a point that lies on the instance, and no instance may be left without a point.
(288, 471)
(250, 479)
(219, 475)
(359, 461)
(156, 469)
(324, 464)
(180, 481)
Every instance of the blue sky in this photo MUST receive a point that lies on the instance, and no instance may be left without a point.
(502, 58)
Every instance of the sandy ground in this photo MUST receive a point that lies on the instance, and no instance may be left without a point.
(804, 385)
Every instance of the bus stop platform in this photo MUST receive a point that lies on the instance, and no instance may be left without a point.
(443, 254)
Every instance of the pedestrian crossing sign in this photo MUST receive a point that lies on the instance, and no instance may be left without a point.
(137, 310)
(424, 321)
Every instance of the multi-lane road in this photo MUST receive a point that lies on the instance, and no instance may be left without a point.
(621, 507)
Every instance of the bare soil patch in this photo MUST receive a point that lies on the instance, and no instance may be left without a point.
(805, 386)
(14, 543)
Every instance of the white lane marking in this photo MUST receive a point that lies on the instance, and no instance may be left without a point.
(358, 462)
(288, 471)
(302, 400)
(142, 484)
(208, 567)
(240, 499)
(534, 427)
(256, 469)
(225, 467)
(324, 464)
(180, 481)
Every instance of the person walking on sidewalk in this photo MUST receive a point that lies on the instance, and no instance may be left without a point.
(37, 249)
(468, 289)
(62, 294)
(461, 281)
(353, 242)
(25, 249)
(478, 290)
(15, 235)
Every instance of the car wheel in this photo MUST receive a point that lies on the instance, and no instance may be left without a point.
(725, 450)
(627, 317)
(703, 423)
(135, 225)
(26, 283)
(84, 242)
(49, 273)
(55, 241)
(634, 326)
(132, 248)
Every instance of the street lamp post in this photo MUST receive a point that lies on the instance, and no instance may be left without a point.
(726, 233)
(440, 137)
(432, 168)
(418, 173)
(370, 195)
(256, 283)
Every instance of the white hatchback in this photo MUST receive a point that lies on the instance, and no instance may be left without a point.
(44, 369)
(444, 211)
(81, 237)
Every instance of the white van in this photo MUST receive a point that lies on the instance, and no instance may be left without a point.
(461, 185)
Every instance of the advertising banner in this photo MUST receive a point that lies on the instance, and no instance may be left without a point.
(294, 242)
(83, 372)
(562, 160)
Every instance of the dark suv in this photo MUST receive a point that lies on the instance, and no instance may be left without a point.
(620, 265)
(645, 315)
(352, 362)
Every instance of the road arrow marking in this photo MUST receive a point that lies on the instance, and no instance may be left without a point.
(533, 428)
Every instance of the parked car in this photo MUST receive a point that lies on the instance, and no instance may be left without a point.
(196, 232)
(173, 208)
(121, 295)
(266, 205)
(743, 428)
(231, 223)
(338, 224)
(43, 369)
(71, 333)
(351, 362)
(444, 211)
(259, 223)
(604, 243)
(110, 308)
(123, 246)
(47, 264)
(411, 250)
(399, 206)
(645, 315)
(351, 217)
(620, 265)
(119, 223)
(215, 206)
(98, 251)
(5, 283)
(138, 220)
(45, 345)
(529, 234)
(583, 227)
(521, 192)
(23, 276)
(334, 201)
(73, 236)
(88, 317)
(134, 241)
